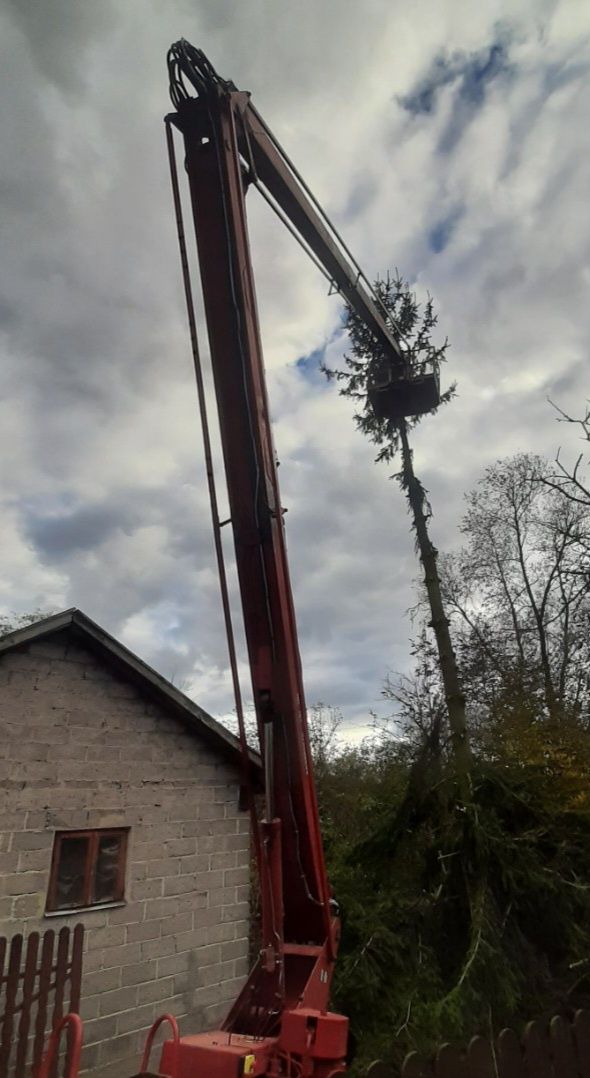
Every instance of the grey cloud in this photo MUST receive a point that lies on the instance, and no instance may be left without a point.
(564, 385)
(360, 196)
(562, 74)
(57, 535)
(59, 33)
(106, 490)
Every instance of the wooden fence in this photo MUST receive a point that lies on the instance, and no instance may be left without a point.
(38, 985)
(559, 1050)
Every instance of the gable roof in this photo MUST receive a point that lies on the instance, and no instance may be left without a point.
(134, 669)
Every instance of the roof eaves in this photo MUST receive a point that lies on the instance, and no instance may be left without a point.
(36, 629)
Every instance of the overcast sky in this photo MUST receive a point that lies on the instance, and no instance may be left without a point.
(447, 139)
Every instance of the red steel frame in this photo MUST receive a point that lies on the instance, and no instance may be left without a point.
(280, 1023)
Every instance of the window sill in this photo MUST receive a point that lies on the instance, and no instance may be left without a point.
(84, 909)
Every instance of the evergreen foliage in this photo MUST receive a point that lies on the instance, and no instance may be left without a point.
(366, 362)
(462, 914)
(365, 365)
(455, 919)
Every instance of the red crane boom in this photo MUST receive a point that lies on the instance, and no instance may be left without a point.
(280, 1023)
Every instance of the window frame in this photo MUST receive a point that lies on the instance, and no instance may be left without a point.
(93, 836)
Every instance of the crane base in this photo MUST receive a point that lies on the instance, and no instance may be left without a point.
(314, 1041)
(217, 1054)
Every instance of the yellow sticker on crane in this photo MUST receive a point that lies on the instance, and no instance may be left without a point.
(249, 1062)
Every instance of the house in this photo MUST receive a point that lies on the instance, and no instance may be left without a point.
(121, 810)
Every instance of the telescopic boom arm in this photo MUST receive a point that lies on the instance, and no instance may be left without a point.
(228, 147)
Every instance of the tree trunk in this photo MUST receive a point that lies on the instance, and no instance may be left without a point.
(454, 697)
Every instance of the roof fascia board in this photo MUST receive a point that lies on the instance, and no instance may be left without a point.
(37, 629)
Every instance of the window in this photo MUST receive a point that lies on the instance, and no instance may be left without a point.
(87, 869)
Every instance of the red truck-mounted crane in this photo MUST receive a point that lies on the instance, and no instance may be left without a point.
(280, 1024)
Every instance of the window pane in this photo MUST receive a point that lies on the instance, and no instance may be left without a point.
(69, 890)
(107, 869)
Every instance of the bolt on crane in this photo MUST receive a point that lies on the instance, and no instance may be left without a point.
(280, 1024)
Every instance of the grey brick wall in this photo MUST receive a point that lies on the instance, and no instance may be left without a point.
(81, 748)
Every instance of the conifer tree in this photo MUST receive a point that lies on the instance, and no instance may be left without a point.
(364, 365)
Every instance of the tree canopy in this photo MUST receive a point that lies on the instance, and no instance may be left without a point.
(465, 913)
(459, 920)
(412, 325)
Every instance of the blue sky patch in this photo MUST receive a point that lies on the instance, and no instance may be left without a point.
(480, 70)
(422, 99)
(309, 365)
(471, 74)
(441, 232)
